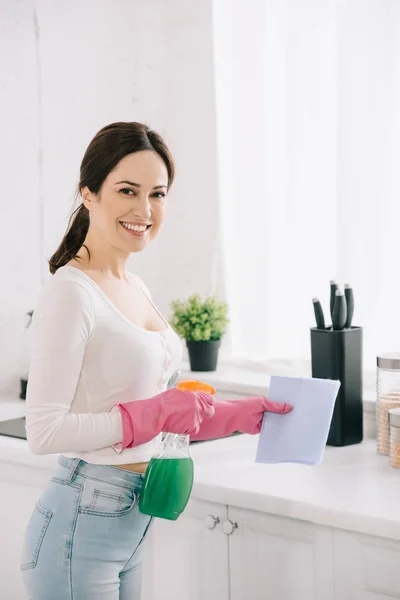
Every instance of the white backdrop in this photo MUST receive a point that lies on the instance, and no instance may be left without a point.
(67, 69)
(308, 128)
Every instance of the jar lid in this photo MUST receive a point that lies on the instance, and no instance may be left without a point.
(390, 361)
(394, 417)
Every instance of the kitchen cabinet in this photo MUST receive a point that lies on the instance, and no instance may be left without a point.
(279, 558)
(188, 558)
(248, 555)
(20, 487)
(16, 505)
(226, 553)
(366, 567)
(250, 531)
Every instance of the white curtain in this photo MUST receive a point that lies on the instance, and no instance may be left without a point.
(308, 119)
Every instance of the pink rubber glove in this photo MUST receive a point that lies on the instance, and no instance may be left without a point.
(243, 415)
(172, 411)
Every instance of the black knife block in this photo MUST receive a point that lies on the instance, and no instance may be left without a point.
(338, 355)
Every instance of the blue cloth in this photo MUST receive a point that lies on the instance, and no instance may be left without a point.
(299, 436)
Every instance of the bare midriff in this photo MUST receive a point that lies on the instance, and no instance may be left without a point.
(135, 467)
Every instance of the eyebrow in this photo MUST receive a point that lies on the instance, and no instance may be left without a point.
(132, 183)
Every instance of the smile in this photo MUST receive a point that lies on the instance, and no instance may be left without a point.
(135, 229)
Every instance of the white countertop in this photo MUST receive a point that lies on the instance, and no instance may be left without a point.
(354, 488)
(11, 408)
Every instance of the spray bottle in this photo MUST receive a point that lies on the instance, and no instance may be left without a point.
(169, 477)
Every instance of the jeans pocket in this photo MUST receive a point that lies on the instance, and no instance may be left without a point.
(34, 536)
(102, 500)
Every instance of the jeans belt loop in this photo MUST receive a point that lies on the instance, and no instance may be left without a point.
(73, 469)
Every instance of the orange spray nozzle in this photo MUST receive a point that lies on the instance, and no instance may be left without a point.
(195, 386)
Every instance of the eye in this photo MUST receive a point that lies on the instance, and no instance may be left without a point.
(159, 195)
(127, 192)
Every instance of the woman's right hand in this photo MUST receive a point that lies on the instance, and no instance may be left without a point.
(172, 411)
(182, 411)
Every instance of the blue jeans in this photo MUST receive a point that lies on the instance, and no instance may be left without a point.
(84, 540)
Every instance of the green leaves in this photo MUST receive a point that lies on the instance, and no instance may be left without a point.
(199, 320)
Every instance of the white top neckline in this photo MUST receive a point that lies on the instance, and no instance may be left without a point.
(115, 309)
(86, 358)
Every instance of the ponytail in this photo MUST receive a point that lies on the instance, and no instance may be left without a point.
(73, 239)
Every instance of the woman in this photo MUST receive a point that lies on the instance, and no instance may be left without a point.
(102, 357)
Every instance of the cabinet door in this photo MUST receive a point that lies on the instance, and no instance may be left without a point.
(16, 505)
(187, 559)
(279, 558)
(366, 567)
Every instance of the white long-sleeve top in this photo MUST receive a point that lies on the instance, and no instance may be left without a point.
(86, 357)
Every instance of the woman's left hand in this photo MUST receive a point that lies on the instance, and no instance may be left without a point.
(244, 415)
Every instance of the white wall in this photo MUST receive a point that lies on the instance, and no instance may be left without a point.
(20, 217)
(72, 67)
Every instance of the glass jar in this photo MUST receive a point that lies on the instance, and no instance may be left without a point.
(387, 396)
(394, 425)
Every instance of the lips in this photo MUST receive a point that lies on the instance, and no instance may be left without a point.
(135, 226)
(136, 229)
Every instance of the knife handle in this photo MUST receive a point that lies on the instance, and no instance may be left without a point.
(334, 288)
(339, 314)
(319, 314)
(349, 294)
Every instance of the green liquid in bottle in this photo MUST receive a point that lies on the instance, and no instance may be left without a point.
(166, 488)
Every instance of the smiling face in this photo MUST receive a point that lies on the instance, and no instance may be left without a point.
(129, 209)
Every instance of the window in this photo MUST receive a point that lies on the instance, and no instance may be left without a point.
(308, 119)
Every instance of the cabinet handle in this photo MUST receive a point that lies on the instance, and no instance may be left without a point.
(211, 521)
(229, 527)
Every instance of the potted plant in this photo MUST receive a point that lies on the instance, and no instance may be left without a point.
(202, 323)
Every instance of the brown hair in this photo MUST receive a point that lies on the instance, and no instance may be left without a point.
(108, 147)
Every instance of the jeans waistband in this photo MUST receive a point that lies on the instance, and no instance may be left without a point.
(107, 473)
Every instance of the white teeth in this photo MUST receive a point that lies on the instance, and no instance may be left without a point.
(137, 228)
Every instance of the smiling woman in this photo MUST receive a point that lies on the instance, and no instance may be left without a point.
(127, 213)
(98, 392)
(98, 341)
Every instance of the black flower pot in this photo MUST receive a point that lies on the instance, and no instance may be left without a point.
(203, 356)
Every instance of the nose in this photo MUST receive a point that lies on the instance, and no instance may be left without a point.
(142, 207)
